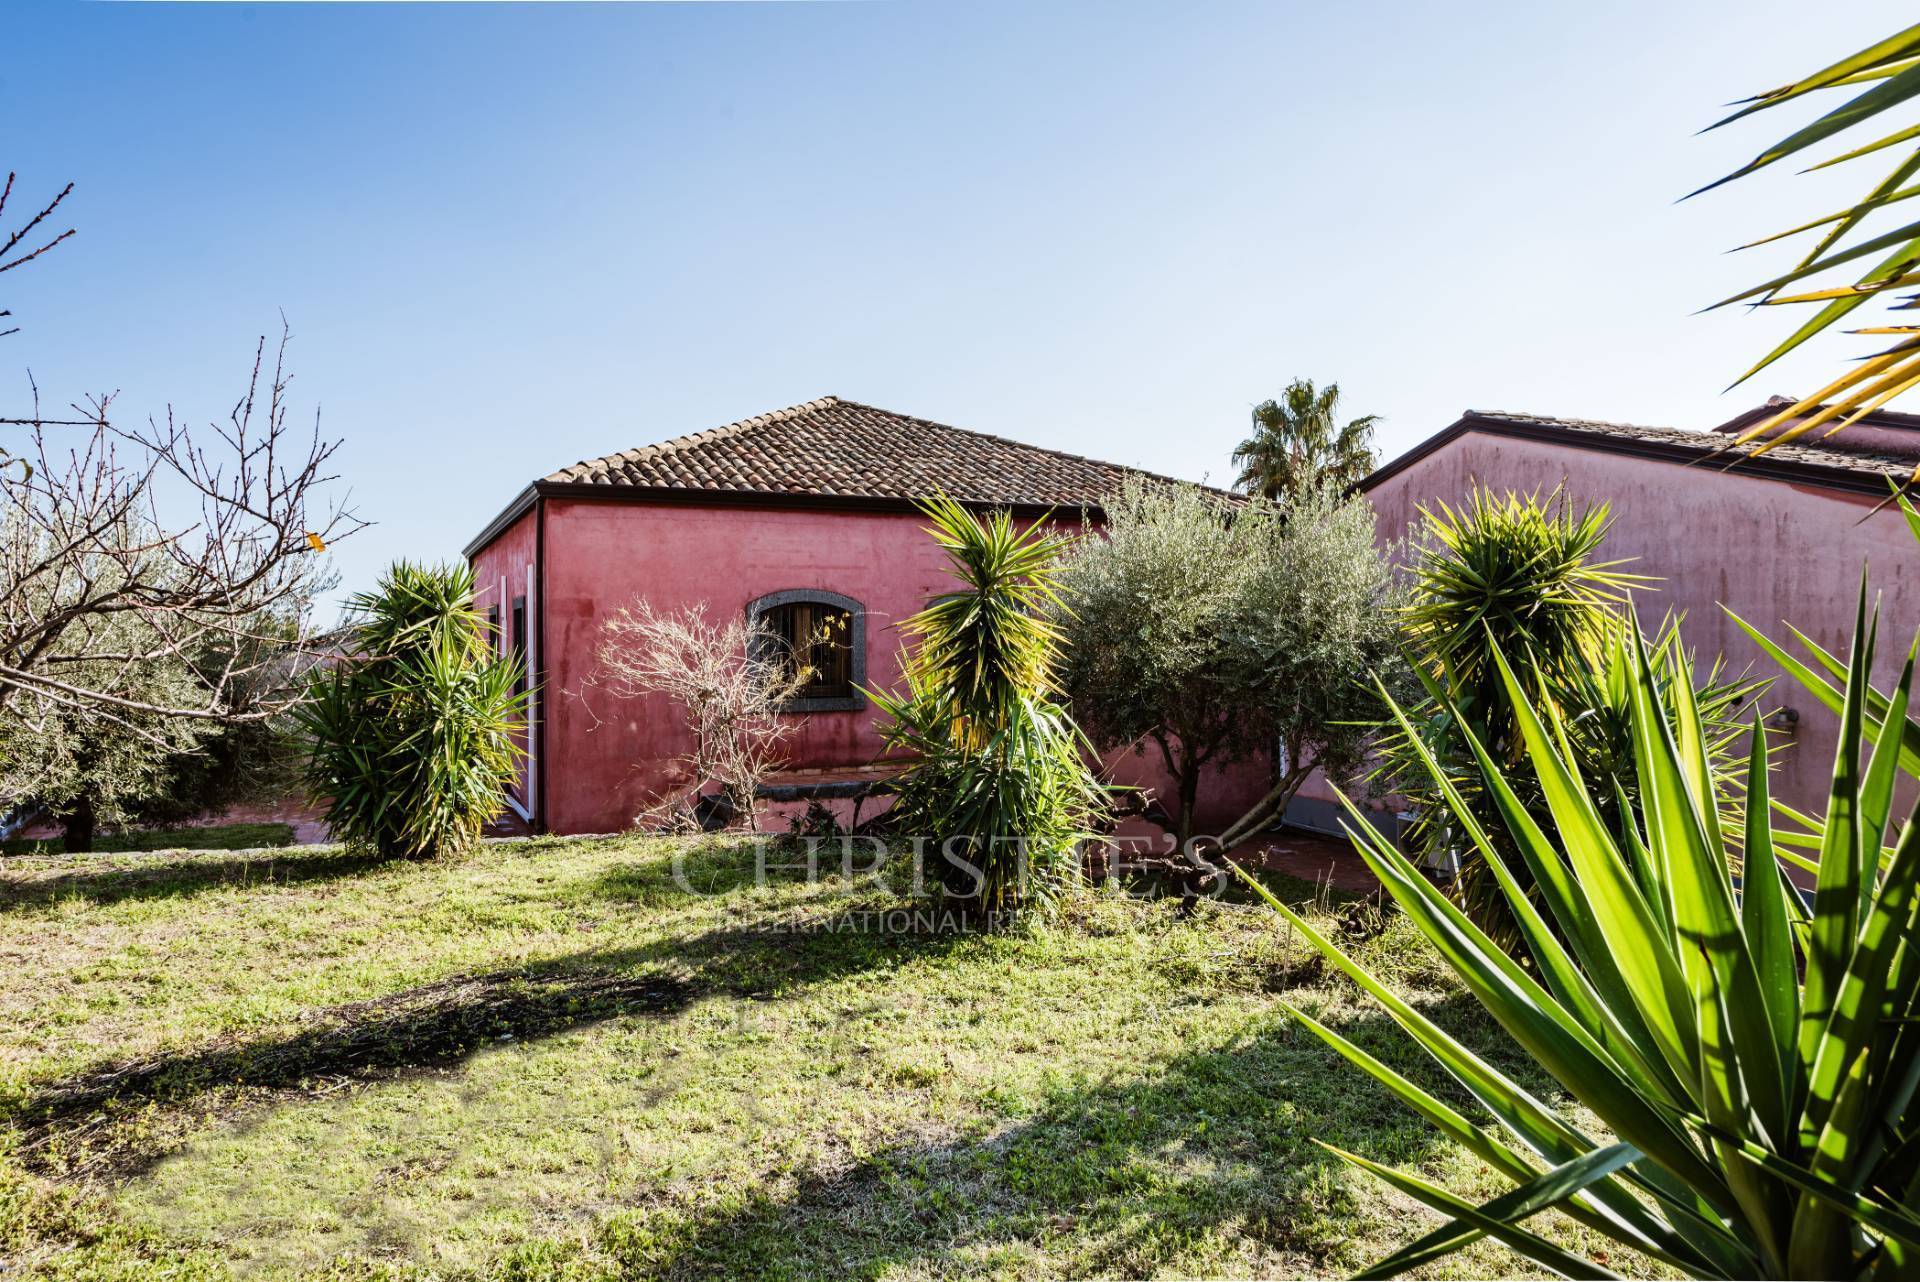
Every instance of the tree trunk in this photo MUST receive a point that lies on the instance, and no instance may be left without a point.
(1185, 767)
(1192, 869)
(1189, 796)
(77, 835)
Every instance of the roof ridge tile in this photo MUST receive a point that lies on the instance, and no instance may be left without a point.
(833, 447)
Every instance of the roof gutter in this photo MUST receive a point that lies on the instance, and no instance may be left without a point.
(498, 525)
(524, 501)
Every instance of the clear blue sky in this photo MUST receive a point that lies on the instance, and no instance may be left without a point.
(508, 238)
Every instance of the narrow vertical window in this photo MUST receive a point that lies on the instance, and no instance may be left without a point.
(519, 650)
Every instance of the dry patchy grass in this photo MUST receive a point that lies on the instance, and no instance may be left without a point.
(555, 1060)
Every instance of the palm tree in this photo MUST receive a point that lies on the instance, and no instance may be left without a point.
(1298, 440)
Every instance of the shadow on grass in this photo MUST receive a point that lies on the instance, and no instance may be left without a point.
(436, 1025)
(1111, 1179)
(673, 877)
(241, 836)
(430, 1026)
(175, 877)
(700, 868)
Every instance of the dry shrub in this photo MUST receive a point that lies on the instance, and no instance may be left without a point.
(732, 682)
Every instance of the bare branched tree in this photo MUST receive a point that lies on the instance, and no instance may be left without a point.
(12, 254)
(732, 682)
(209, 540)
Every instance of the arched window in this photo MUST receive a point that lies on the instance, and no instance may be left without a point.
(824, 632)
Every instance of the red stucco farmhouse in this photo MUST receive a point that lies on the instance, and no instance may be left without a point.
(1779, 538)
(789, 515)
(809, 511)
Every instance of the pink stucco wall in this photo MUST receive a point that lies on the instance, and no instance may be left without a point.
(1770, 550)
(605, 757)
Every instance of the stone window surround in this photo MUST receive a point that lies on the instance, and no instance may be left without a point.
(857, 642)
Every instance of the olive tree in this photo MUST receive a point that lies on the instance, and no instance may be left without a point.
(63, 762)
(1211, 631)
(82, 772)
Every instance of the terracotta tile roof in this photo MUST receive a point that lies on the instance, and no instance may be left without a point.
(1854, 468)
(1828, 454)
(836, 448)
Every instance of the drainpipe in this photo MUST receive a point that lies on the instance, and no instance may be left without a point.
(536, 675)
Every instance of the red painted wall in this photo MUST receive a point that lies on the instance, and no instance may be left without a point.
(1769, 550)
(604, 757)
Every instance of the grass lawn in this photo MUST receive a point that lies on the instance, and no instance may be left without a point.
(216, 837)
(554, 1060)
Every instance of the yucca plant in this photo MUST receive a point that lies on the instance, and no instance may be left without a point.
(1753, 1054)
(414, 734)
(1521, 575)
(1522, 572)
(998, 782)
(1883, 77)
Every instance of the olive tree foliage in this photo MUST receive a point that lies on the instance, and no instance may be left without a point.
(1209, 631)
(84, 772)
(140, 765)
(209, 537)
(145, 770)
